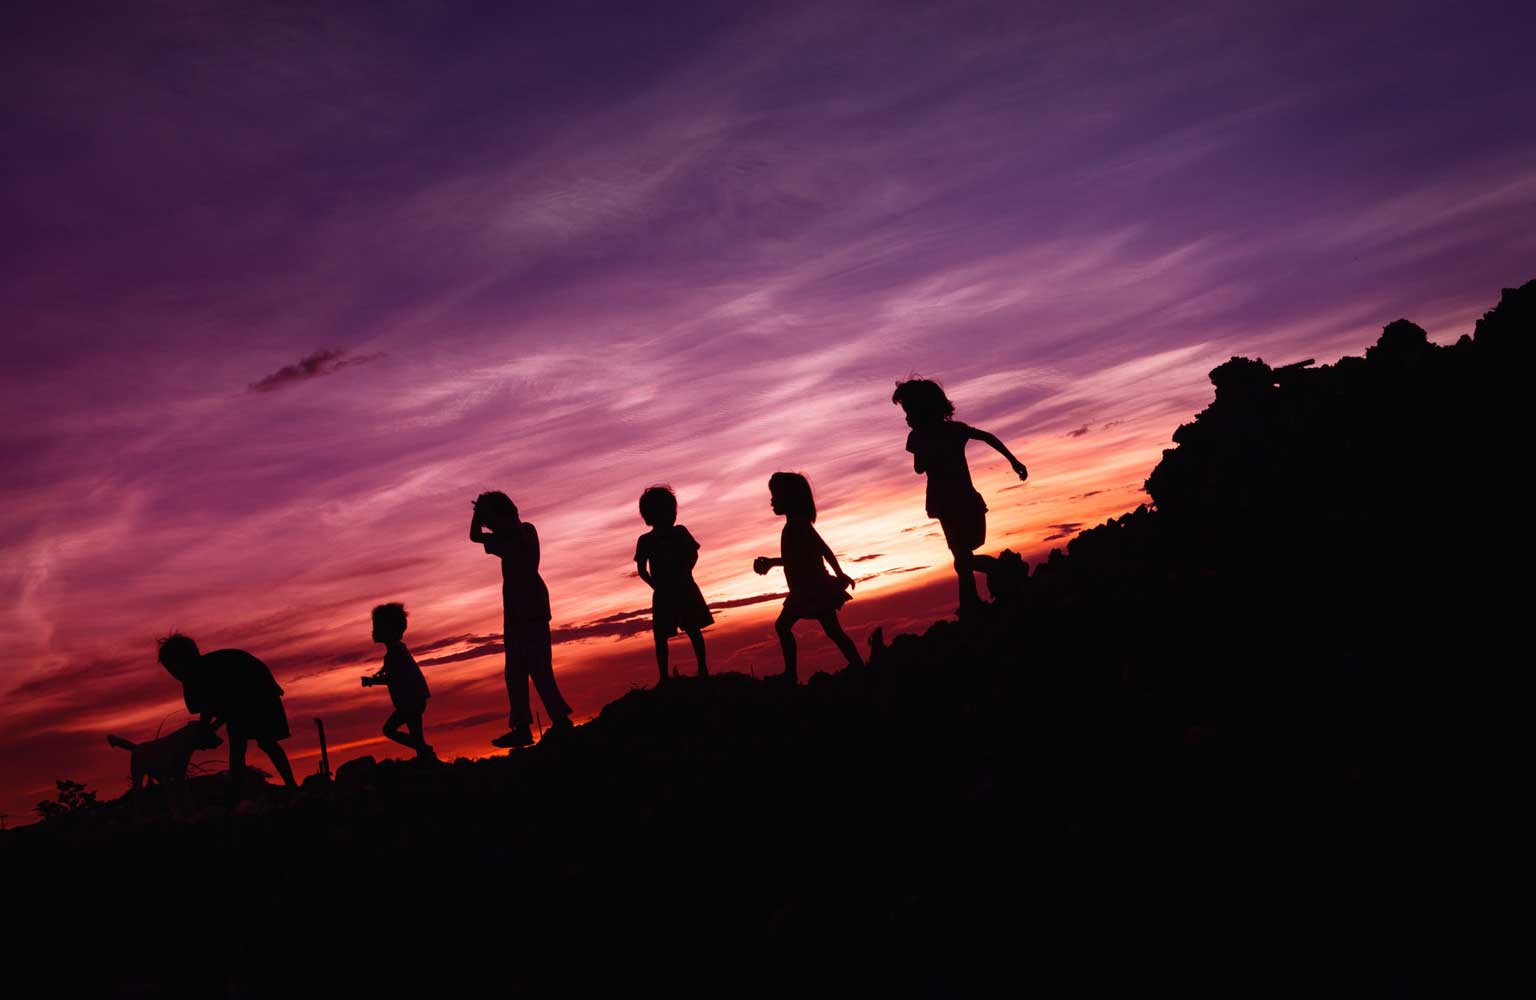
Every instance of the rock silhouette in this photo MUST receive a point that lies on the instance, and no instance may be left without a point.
(1235, 736)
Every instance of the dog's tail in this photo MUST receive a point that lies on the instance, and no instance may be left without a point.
(121, 743)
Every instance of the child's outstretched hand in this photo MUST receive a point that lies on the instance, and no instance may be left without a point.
(847, 581)
(761, 565)
(1023, 473)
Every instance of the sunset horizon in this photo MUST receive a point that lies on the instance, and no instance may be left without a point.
(287, 292)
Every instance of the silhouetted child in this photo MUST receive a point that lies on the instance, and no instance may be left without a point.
(813, 592)
(525, 617)
(937, 444)
(400, 674)
(665, 557)
(230, 686)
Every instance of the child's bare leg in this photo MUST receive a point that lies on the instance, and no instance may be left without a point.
(965, 567)
(661, 653)
(785, 626)
(274, 750)
(392, 730)
(236, 769)
(696, 637)
(423, 748)
(840, 639)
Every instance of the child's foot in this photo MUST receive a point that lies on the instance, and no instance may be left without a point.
(559, 729)
(429, 755)
(520, 735)
(703, 671)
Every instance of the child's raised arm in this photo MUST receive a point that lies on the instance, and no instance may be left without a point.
(991, 440)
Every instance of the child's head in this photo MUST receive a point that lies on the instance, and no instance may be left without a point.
(658, 506)
(177, 654)
(791, 494)
(388, 622)
(495, 507)
(924, 401)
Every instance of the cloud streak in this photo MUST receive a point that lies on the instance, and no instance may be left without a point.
(311, 366)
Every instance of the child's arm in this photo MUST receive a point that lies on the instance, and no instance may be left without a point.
(991, 440)
(762, 564)
(640, 569)
(826, 553)
(476, 528)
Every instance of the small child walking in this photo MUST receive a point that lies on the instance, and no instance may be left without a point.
(937, 444)
(665, 557)
(813, 592)
(400, 674)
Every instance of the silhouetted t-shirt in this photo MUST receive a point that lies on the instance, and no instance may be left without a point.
(407, 686)
(669, 550)
(940, 447)
(524, 596)
(232, 685)
(676, 602)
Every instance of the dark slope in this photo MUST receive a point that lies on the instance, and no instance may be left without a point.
(1238, 742)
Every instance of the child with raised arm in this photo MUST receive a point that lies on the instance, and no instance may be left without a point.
(665, 557)
(937, 444)
(525, 617)
(813, 592)
(400, 674)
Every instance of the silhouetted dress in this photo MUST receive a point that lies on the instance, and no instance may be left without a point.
(407, 686)
(233, 685)
(952, 499)
(813, 592)
(676, 601)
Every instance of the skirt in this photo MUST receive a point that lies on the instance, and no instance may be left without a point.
(822, 596)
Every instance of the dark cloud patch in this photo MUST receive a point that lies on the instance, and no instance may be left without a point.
(1112, 423)
(1062, 530)
(1085, 496)
(920, 527)
(473, 652)
(741, 602)
(470, 721)
(622, 616)
(595, 630)
(309, 367)
(1079, 432)
(877, 555)
(891, 572)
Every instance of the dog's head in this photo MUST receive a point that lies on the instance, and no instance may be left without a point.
(202, 736)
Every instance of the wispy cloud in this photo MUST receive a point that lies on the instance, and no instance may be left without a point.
(311, 366)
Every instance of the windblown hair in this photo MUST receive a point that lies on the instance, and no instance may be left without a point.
(495, 503)
(793, 492)
(658, 506)
(390, 618)
(176, 649)
(924, 399)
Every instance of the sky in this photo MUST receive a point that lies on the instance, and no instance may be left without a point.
(283, 289)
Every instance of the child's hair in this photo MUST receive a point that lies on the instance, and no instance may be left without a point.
(390, 619)
(658, 506)
(924, 399)
(794, 494)
(177, 648)
(496, 503)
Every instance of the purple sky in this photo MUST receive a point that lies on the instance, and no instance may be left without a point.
(282, 291)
